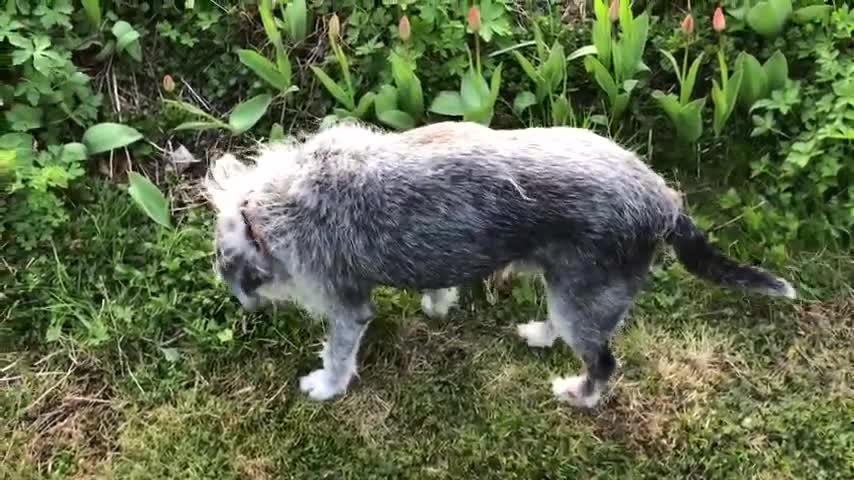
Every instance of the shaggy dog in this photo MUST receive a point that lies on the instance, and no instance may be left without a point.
(324, 221)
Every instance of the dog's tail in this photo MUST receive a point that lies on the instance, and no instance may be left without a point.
(703, 260)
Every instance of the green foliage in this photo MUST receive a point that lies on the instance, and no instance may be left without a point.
(400, 106)
(760, 80)
(149, 198)
(685, 114)
(725, 95)
(48, 100)
(812, 125)
(475, 101)
(550, 82)
(614, 62)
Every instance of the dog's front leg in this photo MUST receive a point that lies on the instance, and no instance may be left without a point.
(346, 327)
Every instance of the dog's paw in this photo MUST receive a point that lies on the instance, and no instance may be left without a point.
(571, 390)
(437, 303)
(537, 334)
(319, 385)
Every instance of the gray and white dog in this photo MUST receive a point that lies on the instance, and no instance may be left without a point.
(323, 221)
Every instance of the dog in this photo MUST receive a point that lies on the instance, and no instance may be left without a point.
(322, 221)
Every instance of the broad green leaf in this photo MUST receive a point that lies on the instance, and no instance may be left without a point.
(676, 68)
(171, 354)
(602, 77)
(523, 101)
(296, 18)
(669, 103)
(624, 14)
(636, 44)
(263, 68)
(812, 13)
(284, 66)
(93, 12)
(386, 99)
(554, 69)
(226, 335)
(409, 92)
(334, 89)
(104, 137)
(768, 18)
(448, 103)
(265, 9)
(776, 71)
(690, 80)
(619, 105)
(73, 152)
(690, 123)
(495, 84)
(561, 110)
(364, 105)
(148, 197)
(755, 80)
(582, 52)
(127, 39)
(474, 91)
(602, 40)
(246, 115)
(528, 68)
(396, 119)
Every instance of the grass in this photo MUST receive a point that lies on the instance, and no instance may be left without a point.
(152, 372)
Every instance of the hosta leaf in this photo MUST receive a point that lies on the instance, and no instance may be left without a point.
(264, 68)
(396, 119)
(448, 103)
(104, 137)
(246, 115)
(523, 101)
(148, 197)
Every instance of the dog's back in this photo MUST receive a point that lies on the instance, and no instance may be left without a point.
(454, 201)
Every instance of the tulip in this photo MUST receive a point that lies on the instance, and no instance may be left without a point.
(403, 28)
(614, 10)
(474, 19)
(718, 20)
(168, 83)
(688, 24)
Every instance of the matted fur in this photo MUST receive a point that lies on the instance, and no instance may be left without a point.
(353, 207)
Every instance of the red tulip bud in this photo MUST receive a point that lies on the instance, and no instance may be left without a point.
(688, 25)
(403, 28)
(718, 20)
(168, 83)
(614, 10)
(474, 19)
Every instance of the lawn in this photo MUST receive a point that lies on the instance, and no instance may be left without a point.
(153, 372)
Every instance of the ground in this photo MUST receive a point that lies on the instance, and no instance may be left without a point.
(711, 383)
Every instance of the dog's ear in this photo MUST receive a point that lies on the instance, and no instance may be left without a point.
(222, 184)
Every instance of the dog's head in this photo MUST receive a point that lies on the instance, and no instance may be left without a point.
(243, 260)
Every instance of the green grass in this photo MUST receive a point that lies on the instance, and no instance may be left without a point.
(712, 383)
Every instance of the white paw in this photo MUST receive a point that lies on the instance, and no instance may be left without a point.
(571, 389)
(319, 385)
(537, 334)
(437, 303)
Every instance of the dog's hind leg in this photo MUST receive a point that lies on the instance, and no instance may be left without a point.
(585, 309)
(346, 327)
(437, 303)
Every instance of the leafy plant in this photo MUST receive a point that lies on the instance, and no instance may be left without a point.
(243, 117)
(550, 82)
(475, 101)
(149, 199)
(765, 17)
(759, 80)
(725, 95)
(295, 18)
(345, 95)
(400, 106)
(684, 113)
(614, 62)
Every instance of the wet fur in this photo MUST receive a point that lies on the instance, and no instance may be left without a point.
(352, 208)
